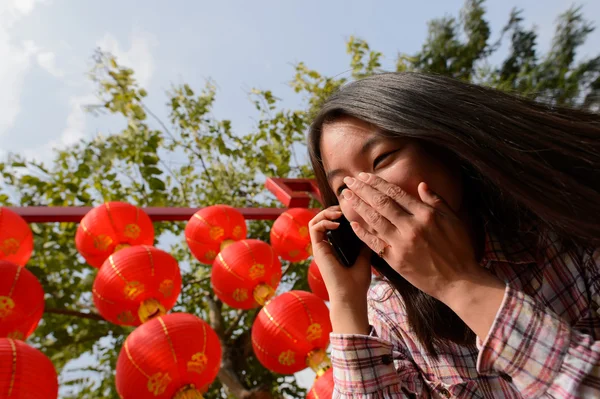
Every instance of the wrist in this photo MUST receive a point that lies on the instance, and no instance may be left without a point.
(476, 300)
(350, 317)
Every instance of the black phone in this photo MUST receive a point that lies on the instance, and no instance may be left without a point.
(347, 246)
(345, 242)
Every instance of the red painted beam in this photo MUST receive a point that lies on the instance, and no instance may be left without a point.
(294, 193)
(50, 214)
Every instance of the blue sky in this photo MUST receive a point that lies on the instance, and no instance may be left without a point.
(46, 45)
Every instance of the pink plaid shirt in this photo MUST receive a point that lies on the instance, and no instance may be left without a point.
(544, 342)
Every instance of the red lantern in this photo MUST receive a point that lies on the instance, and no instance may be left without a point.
(111, 227)
(136, 284)
(316, 283)
(323, 387)
(25, 372)
(21, 301)
(246, 274)
(289, 234)
(213, 228)
(292, 332)
(174, 356)
(16, 239)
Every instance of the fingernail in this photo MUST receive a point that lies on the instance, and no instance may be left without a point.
(347, 194)
(349, 180)
(363, 176)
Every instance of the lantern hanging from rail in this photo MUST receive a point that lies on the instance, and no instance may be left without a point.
(21, 301)
(175, 356)
(246, 274)
(323, 386)
(316, 283)
(291, 333)
(25, 372)
(213, 228)
(16, 238)
(289, 234)
(111, 227)
(136, 284)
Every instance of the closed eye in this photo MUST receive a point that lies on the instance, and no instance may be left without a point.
(340, 189)
(382, 157)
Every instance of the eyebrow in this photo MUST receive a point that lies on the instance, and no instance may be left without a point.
(370, 143)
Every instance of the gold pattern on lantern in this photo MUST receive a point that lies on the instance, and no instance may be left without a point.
(237, 232)
(16, 335)
(158, 383)
(149, 309)
(132, 231)
(314, 331)
(210, 255)
(10, 246)
(257, 270)
(133, 289)
(166, 288)
(198, 363)
(240, 294)
(188, 392)
(216, 233)
(102, 242)
(6, 306)
(293, 253)
(309, 249)
(120, 247)
(125, 317)
(287, 358)
(226, 243)
(303, 231)
(263, 293)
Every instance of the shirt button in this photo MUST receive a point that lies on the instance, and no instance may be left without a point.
(445, 392)
(387, 359)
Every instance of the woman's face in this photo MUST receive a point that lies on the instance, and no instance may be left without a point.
(350, 146)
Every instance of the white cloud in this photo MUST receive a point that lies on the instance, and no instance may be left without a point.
(138, 57)
(16, 59)
(47, 61)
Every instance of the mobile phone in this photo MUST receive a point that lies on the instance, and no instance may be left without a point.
(346, 244)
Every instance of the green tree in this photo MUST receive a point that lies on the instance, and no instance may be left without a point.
(218, 165)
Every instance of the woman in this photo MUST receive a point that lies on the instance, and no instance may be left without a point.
(487, 208)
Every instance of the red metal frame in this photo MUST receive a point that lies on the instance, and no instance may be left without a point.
(293, 193)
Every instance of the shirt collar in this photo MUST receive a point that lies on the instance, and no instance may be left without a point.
(515, 250)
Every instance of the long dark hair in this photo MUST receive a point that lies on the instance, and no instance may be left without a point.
(524, 164)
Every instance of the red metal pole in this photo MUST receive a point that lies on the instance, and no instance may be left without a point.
(293, 193)
(50, 214)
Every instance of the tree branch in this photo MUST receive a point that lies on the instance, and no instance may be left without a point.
(168, 131)
(74, 313)
(234, 324)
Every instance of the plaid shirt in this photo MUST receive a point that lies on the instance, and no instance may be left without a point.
(544, 342)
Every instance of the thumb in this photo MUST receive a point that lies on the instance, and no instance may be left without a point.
(432, 199)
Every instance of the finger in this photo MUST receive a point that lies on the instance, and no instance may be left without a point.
(405, 200)
(331, 213)
(369, 214)
(379, 201)
(432, 199)
(319, 225)
(375, 243)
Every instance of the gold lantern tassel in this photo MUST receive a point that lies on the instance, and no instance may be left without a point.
(318, 361)
(263, 293)
(150, 309)
(188, 392)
